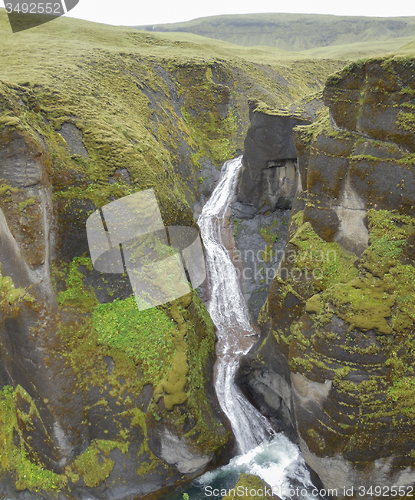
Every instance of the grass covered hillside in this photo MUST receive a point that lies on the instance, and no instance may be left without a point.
(159, 99)
(301, 32)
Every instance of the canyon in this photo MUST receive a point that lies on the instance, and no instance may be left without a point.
(100, 400)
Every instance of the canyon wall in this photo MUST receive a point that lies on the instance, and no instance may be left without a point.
(99, 399)
(334, 365)
(267, 189)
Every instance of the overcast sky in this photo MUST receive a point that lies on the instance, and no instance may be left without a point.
(137, 12)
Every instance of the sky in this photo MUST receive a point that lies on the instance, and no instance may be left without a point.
(139, 12)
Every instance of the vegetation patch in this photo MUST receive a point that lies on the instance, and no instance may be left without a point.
(380, 296)
(172, 388)
(333, 263)
(75, 294)
(145, 336)
(253, 487)
(11, 297)
(16, 455)
(94, 465)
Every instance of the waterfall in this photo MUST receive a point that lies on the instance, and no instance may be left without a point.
(228, 310)
(278, 461)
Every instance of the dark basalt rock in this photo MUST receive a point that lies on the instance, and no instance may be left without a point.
(20, 160)
(62, 409)
(324, 336)
(372, 98)
(73, 138)
(44, 380)
(260, 240)
(266, 190)
(266, 384)
(325, 222)
(268, 177)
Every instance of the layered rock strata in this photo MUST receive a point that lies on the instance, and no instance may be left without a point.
(339, 317)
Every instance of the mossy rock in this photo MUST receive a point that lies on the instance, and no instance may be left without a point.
(374, 97)
(96, 114)
(250, 487)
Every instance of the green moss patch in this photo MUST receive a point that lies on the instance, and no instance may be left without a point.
(16, 455)
(94, 465)
(328, 262)
(250, 487)
(172, 388)
(75, 294)
(11, 297)
(363, 303)
(213, 128)
(381, 296)
(145, 336)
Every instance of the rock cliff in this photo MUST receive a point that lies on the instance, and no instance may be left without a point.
(80, 365)
(268, 178)
(266, 191)
(335, 361)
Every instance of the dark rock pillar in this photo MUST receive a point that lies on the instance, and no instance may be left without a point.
(269, 173)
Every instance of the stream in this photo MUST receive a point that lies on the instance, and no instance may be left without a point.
(227, 308)
(261, 451)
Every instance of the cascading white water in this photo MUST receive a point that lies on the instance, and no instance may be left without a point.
(278, 462)
(228, 310)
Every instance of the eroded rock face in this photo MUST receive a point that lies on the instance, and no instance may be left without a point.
(374, 99)
(260, 241)
(175, 451)
(264, 377)
(340, 313)
(266, 190)
(57, 431)
(79, 364)
(269, 174)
